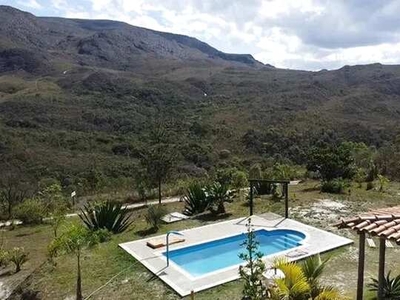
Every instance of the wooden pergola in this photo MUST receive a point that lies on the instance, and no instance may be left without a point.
(285, 184)
(383, 223)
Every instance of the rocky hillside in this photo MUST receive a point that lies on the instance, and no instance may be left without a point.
(83, 95)
(27, 40)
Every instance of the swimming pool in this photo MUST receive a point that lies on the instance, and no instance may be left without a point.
(204, 258)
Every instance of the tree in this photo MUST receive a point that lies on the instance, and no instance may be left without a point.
(57, 218)
(12, 192)
(74, 241)
(158, 158)
(251, 273)
(332, 161)
(383, 181)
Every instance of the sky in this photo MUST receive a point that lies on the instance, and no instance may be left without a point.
(295, 34)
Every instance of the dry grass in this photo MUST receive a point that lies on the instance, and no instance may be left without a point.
(134, 281)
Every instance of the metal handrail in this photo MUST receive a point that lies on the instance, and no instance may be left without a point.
(167, 242)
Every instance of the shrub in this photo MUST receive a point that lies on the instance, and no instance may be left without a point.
(4, 258)
(107, 215)
(391, 287)
(251, 272)
(217, 195)
(196, 200)
(383, 181)
(239, 180)
(102, 235)
(370, 185)
(224, 154)
(335, 186)
(18, 257)
(31, 211)
(154, 214)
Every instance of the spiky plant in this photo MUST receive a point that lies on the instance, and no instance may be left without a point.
(294, 285)
(4, 258)
(18, 257)
(154, 214)
(108, 215)
(301, 281)
(313, 267)
(217, 195)
(391, 287)
(196, 200)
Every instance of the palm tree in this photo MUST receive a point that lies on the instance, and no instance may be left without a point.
(74, 241)
(313, 267)
(294, 285)
(302, 281)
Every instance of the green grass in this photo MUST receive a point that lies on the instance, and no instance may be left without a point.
(107, 260)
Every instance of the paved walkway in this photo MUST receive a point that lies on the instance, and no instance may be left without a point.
(141, 204)
(128, 206)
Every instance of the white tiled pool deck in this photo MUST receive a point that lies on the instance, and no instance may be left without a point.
(316, 241)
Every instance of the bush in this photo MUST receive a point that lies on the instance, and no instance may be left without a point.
(18, 257)
(102, 235)
(391, 286)
(370, 185)
(224, 154)
(4, 258)
(335, 186)
(107, 215)
(154, 214)
(31, 211)
(239, 180)
(217, 195)
(195, 199)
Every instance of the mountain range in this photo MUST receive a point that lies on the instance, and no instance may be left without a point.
(83, 94)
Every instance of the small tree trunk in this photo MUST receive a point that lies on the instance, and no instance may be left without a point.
(159, 190)
(78, 280)
(9, 209)
(221, 208)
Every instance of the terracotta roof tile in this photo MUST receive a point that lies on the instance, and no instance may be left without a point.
(384, 222)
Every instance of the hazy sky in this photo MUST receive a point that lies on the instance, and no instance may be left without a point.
(298, 34)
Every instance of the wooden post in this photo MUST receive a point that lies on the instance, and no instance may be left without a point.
(251, 198)
(286, 188)
(361, 264)
(381, 274)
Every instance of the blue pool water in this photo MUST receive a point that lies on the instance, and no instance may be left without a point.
(215, 255)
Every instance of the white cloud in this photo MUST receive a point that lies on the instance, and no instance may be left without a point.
(30, 4)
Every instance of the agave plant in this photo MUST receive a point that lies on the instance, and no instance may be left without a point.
(391, 287)
(154, 214)
(217, 195)
(18, 257)
(108, 215)
(196, 200)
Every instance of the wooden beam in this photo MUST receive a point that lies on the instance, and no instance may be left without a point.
(270, 181)
(381, 274)
(286, 189)
(361, 265)
(251, 198)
